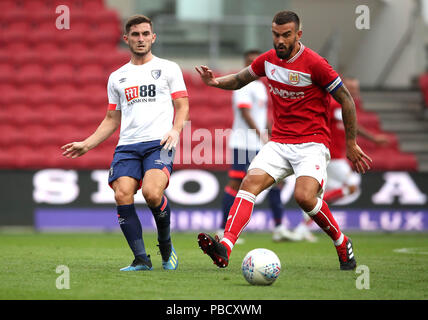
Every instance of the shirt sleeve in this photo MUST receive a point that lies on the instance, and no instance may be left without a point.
(176, 83)
(257, 68)
(325, 76)
(113, 95)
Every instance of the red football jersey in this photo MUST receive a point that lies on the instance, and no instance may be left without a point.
(299, 89)
(337, 129)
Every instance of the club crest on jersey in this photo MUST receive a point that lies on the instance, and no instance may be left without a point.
(156, 74)
(293, 77)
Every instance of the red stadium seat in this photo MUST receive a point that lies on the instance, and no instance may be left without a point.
(7, 73)
(113, 60)
(108, 15)
(36, 5)
(11, 96)
(14, 14)
(29, 157)
(86, 114)
(93, 5)
(79, 59)
(69, 99)
(108, 37)
(39, 135)
(25, 26)
(51, 58)
(5, 56)
(7, 160)
(13, 36)
(76, 47)
(77, 33)
(21, 58)
(60, 74)
(43, 36)
(45, 47)
(38, 98)
(90, 74)
(8, 5)
(11, 135)
(25, 114)
(30, 73)
(52, 114)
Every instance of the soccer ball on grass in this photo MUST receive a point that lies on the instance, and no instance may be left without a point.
(261, 267)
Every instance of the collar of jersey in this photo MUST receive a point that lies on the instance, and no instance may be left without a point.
(294, 58)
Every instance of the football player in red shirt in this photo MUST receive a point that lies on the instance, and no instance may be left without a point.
(299, 82)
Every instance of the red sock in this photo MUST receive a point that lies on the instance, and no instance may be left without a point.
(239, 216)
(322, 215)
(333, 195)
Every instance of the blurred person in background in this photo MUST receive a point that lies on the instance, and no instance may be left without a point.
(142, 97)
(249, 134)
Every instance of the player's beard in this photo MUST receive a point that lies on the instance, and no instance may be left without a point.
(284, 54)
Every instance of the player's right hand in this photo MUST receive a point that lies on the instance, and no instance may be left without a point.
(207, 76)
(74, 149)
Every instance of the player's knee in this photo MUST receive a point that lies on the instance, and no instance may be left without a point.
(249, 184)
(153, 197)
(305, 200)
(123, 196)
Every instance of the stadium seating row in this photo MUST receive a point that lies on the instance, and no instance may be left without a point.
(36, 4)
(53, 91)
(49, 59)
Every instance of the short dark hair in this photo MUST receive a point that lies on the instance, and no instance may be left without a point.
(284, 17)
(137, 19)
(252, 51)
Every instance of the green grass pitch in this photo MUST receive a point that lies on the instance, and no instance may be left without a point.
(28, 263)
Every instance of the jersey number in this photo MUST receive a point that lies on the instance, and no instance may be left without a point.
(149, 90)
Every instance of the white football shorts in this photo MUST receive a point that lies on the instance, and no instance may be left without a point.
(281, 160)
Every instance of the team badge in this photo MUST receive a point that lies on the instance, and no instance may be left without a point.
(156, 74)
(293, 77)
(272, 71)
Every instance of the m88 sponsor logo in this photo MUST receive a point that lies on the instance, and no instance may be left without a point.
(142, 91)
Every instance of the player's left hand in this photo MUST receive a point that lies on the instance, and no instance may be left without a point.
(170, 139)
(359, 159)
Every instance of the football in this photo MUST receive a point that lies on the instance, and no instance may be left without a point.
(261, 267)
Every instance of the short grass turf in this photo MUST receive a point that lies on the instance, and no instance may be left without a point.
(397, 264)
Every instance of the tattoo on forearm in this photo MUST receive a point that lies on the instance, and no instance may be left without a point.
(236, 81)
(349, 117)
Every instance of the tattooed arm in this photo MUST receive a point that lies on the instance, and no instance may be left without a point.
(230, 82)
(353, 151)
